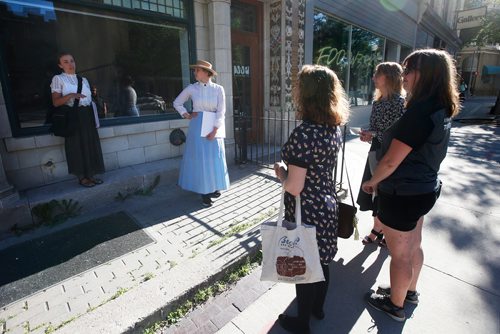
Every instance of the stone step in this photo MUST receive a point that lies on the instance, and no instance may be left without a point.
(121, 181)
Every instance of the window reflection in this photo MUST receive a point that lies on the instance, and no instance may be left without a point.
(330, 45)
(367, 51)
(331, 48)
(107, 47)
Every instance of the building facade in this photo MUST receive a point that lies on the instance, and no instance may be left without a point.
(257, 48)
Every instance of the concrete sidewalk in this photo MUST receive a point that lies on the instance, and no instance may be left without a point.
(193, 246)
(459, 285)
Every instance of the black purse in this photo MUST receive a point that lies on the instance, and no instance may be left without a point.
(65, 118)
(348, 222)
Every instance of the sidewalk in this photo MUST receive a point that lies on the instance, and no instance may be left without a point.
(128, 279)
(459, 285)
(137, 276)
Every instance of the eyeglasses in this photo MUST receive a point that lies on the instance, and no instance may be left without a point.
(408, 70)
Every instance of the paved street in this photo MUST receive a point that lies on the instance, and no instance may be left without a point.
(193, 246)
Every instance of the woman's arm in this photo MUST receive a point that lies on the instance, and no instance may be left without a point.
(294, 180)
(180, 100)
(220, 113)
(390, 161)
(58, 99)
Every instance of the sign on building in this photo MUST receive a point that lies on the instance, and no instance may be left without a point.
(470, 18)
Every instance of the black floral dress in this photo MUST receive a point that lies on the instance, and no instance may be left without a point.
(315, 147)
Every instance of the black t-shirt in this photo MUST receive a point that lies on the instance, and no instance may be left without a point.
(426, 129)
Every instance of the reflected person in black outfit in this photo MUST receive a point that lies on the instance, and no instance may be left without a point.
(102, 107)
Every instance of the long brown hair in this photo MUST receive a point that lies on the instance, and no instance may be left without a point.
(319, 96)
(393, 79)
(438, 79)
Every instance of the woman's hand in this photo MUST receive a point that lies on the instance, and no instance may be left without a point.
(77, 96)
(280, 170)
(212, 134)
(365, 135)
(369, 187)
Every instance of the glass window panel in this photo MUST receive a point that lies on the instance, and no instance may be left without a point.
(367, 50)
(243, 17)
(330, 45)
(117, 46)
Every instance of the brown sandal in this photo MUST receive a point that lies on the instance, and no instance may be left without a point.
(85, 182)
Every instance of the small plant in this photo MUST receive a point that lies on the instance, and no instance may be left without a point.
(148, 276)
(56, 212)
(145, 191)
(203, 295)
(118, 293)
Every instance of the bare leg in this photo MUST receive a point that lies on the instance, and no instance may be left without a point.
(405, 249)
(418, 256)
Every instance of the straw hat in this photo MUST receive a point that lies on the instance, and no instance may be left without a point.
(204, 65)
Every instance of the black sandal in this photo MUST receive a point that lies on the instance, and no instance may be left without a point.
(378, 237)
(96, 180)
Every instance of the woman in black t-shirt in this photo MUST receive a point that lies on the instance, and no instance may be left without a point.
(406, 176)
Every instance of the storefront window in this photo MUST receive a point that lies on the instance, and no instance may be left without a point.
(367, 51)
(330, 45)
(110, 49)
(331, 48)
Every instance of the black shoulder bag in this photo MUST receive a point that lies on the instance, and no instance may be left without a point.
(65, 118)
(348, 222)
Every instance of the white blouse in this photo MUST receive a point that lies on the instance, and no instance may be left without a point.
(68, 83)
(209, 97)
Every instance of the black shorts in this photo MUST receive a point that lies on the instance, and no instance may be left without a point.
(403, 212)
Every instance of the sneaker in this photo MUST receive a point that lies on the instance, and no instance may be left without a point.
(384, 304)
(205, 199)
(411, 296)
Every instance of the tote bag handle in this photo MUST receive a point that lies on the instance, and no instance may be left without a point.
(298, 210)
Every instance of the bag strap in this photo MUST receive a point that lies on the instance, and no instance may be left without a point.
(349, 183)
(78, 91)
(298, 209)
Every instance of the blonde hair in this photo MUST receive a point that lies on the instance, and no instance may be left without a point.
(319, 96)
(393, 79)
(438, 79)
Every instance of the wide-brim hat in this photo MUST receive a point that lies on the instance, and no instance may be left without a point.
(204, 65)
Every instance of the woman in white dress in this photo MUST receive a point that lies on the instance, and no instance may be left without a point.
(83, 148)
(203, 168)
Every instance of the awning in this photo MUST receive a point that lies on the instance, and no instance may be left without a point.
(491, 70)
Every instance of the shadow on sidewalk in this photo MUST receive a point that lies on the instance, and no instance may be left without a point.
(349, 282)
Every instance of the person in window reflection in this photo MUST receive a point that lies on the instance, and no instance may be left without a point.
(406, 177)
(309, 157)
(102, 107)
(387, 108)
(127, 105)
(83, 148)
(203, 167)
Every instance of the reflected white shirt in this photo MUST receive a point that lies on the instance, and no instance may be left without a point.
(209, 97)
(68, 83)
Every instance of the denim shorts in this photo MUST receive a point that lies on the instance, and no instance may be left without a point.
(403, 212)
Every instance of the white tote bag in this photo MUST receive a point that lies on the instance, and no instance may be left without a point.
(290, 251)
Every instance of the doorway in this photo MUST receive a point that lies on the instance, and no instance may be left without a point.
(246, 48)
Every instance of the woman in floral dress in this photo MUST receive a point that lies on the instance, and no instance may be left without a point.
(308, 159)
